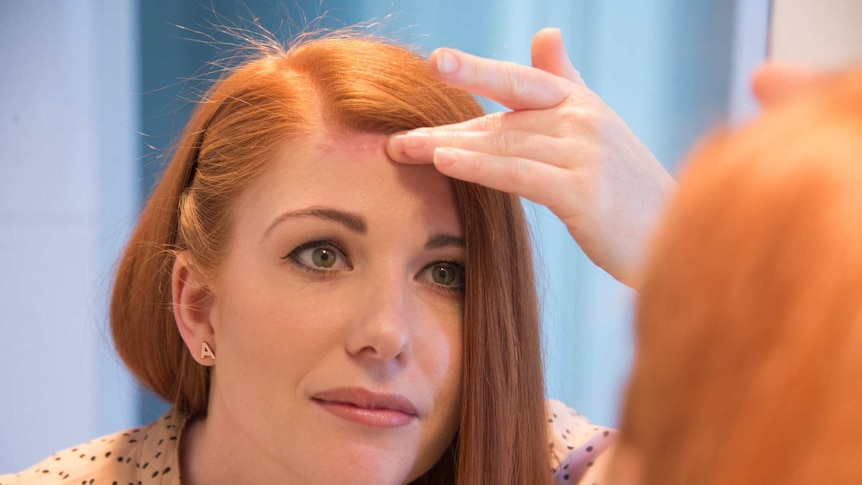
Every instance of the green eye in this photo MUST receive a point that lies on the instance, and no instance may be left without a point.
(323, 257)
(447, 274)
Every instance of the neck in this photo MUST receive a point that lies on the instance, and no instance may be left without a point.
(214, 452)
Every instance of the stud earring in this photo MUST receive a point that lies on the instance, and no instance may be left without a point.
(206, 351)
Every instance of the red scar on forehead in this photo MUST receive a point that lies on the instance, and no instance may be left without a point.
(360, 144)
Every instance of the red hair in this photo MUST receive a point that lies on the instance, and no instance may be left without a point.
(341, 84)
(749, 323)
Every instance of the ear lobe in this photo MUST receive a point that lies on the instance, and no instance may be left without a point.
(192, 304)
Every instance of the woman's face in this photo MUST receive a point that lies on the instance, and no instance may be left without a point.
(337, 316)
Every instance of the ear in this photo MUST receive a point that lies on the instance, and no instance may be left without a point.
(192, 303)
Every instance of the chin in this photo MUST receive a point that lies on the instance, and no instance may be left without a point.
(373, 467)
(347, 473)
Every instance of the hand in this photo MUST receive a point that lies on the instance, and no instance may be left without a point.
(561, 146)
(776, 81)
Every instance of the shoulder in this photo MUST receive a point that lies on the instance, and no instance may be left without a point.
(579, 448)
(138, 455)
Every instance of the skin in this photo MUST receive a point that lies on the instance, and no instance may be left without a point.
(378, 319)
(774, 81)
(561, 146)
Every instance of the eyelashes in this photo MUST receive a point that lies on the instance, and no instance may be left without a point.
(325, 257)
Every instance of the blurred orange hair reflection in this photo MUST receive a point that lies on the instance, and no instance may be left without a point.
(750, 321)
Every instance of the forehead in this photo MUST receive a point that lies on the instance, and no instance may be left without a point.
(352, 172)
(360, 144)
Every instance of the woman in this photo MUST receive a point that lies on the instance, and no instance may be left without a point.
(318, 314)
(749, 320)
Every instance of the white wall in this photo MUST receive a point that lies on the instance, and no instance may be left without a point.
(67, 196)
(823, 33)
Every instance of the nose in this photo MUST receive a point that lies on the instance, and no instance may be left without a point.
(381, 329)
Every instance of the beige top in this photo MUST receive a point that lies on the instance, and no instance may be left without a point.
(150, 455)
(140, 456)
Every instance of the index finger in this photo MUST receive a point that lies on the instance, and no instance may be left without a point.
(513, 85)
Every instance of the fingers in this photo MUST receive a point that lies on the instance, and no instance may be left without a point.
(552, 136)
(539, 182)
(775, 81)
(549, 54)
(419, 146)
(515, 86)
(530, 120)
(536, 94)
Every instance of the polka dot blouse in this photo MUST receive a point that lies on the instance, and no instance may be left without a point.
(141, 456)
(578, 447)
(149, 456)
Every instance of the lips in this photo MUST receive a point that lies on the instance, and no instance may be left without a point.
(366, 407)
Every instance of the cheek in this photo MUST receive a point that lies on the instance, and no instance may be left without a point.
(273, 326)
(442, 356)
(440, 349)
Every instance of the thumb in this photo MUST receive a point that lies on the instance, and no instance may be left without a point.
(775, 81)
(549, 55)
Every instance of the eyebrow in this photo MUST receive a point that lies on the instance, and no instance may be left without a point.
(440, 241)
(356, 224)
(351, 221)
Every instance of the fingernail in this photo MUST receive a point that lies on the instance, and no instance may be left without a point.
(445, 156)
(395, 145)
(446, 62)
(416, 139)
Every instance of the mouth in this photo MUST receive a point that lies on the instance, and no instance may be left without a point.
(368, 408)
